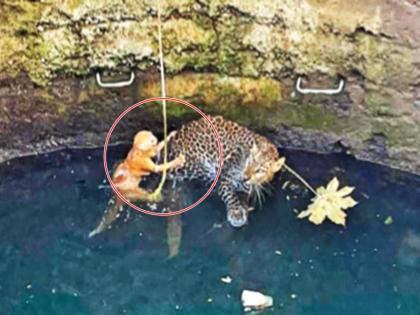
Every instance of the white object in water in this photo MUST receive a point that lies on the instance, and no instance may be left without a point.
(253, 300)
(226, 279)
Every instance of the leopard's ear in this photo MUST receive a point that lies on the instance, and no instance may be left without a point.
(279, 164)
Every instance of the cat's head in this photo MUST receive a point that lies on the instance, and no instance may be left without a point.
(144, 140)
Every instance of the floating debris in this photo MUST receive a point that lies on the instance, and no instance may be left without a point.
(294, 187)
(388, 220)
(330, 202)
(253, 300)
(365, 195)
(278, 252)
(226, 279)
(293, 296)
(152, 206)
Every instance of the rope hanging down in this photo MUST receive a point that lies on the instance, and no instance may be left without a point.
(157, 192)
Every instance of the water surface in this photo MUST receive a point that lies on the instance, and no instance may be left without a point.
(49, 203)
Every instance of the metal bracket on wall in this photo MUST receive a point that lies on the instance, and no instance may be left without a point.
(114, 84)
(337, 90)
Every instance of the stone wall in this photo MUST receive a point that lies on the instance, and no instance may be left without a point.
(240, 58)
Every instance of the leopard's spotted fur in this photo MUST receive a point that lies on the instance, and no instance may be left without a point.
(249, 161)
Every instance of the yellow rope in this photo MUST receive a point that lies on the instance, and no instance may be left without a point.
(304, 182)
(157, 192)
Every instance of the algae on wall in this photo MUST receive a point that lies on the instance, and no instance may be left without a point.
(236, 57)
(244, 37)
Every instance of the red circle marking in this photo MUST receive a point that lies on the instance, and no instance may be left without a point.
(114, 188)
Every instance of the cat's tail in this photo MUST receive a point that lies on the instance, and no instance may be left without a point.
(115, 207)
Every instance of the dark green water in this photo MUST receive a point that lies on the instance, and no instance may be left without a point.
(48, 204)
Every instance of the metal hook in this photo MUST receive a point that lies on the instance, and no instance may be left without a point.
(338, 90)
(114, 84)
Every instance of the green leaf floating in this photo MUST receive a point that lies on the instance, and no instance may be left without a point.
(329, 202)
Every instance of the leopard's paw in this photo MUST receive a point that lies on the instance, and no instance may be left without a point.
(237, 217)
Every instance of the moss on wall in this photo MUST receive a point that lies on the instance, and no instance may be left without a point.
(239, 58)
(239, 38)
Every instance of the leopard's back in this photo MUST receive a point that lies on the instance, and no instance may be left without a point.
(249, 161)
(197, 142)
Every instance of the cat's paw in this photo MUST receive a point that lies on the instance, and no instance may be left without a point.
(180, 160)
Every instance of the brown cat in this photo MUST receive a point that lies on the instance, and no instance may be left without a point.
(128, 174)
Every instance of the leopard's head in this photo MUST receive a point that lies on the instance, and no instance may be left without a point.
(261, 166)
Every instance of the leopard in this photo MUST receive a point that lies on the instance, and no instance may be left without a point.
(249, 162)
